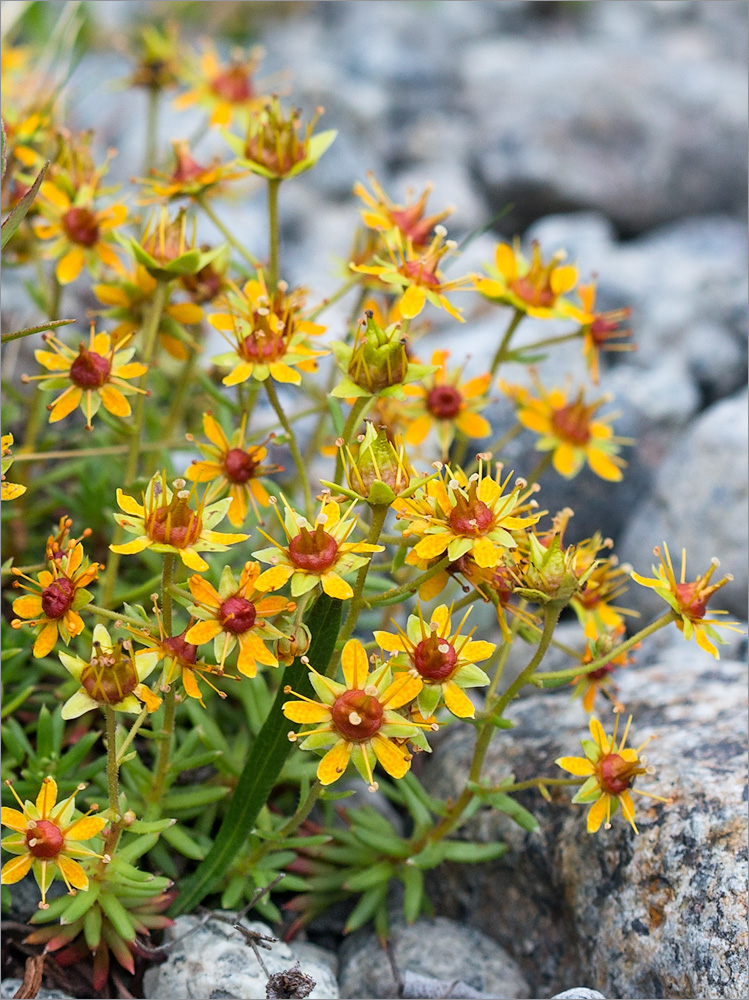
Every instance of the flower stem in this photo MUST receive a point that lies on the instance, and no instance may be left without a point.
(338, 294)
(541, 466)
(273, 229)
(170, 702)
(303, 811)
(521, 786)
(132, 734)
(114, 616)
(293, 446)
(113, 763)
(152, 129)
(553, 611)
(226, 233)
(502, 349)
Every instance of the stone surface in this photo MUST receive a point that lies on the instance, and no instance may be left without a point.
(208, 961)
(659, 914)
(437, 948)
(9, 988)
(579, 993)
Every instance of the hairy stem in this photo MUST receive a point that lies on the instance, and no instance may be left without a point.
(293, 446)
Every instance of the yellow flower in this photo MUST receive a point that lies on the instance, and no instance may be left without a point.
(457, 515)
(606, 581)
(90, 377)
(61, 595)
(236, 614)
(610, 772)
(188, 179)
(226, 90)
(129, 298)
(314, 554)
(113, 676)
(689, 599)
(413, 273)
(568, 430)
(600, 679)
(600, 328)
(442, 660)
(83, 233)
(358, 719)
(269, 333)
(8, 491)
(446, 405)
(234, 466)
(47, 839)
(532, 287)
(166, 522)
(382, 214)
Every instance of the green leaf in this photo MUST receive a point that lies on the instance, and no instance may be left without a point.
(92, 927)
(369, 877)
(119, 918)
(44, 737)
(430, 856)
(506, 804)
(81, 903)
(471, 853)
(413, 880)
(16, 217)
(365, 908)
(156, 826)
(179, 839)
(265, 761)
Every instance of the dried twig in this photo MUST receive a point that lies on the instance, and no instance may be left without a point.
(32, 978)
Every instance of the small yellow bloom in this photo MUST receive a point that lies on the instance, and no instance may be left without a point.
(226, 90)
(92, 376)
(602, 331)
(689, 599)
(8, 491)
(188, 179)
(610, 772)
(532, 287)
(606, 582)
(600, 680)
(47, 839)
(382, 214)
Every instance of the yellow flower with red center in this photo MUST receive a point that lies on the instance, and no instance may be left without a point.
(89, 377)
(226, 90)
(569, 431)
(610, 771)
(47, 840)
(129, 298)
(8, 491)
(236, 614)
(495, 584)
(533, 287)
(605, 582)
(167, 522)
(600, 680)
(457, 515)
(83, 232)
(113, 676)
(188, 179)
(357, 720)
(382, 214)
(269, 333)
(442, 660)
(53, 611)
(232, 465)
(689, 599)
(314, 554)
(413, 273)
(447, 406)
(602, 331)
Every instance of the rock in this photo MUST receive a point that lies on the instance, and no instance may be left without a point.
(436, 948)
(9, 988)
(579, 993)
(698, 502)
(659, 914)
(211, 960)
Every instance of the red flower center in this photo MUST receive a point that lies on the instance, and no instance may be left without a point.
(58, 597)
(572, 422)
(534, 294)
(174, 524)
(239, 465)
(616, 773)
(44, 839)
(261, 346)
(184, 651)
(233, 85)
(420, 273)
(237, 614)
(315, 551)
(187, 169)
(110, 677)
(444, 401)
(435, 658)
(357, 715)
(89, 370)
(410, 223)
(80, 226)
(690, 602)
(470, 516)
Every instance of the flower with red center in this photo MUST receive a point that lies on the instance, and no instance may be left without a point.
(188, 179)
(444, 661)
(414, 272)
(455, 515)
(268, 332)
(47, 839)
(167, 522)
(83, 232)
(689, 599)
(236, 614)
(357, 720)
(600, 680)
(382, 214)
(602, 331)
(226, 90)
(113, 676)
(533, 287)
(610, 771)
(166, 250)
(606, 581)
(442, 403)
(8, 491)
(232, 465)
(89, 377)
(314, 554)
(53, 610)
(569, 431)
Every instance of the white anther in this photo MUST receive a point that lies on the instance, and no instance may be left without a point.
(371, 690)
(179, 484)
(183, 495)
(354, 718)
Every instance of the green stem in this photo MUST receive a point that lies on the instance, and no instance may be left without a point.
(338, 294)
(408, 588)
(549, 341)
(53, 324)
(659, 623)
(541, 466)
(226, 233)
(170, 701)
(553, 611)
(502, 349)
(114, 616)
(273, 229)
(114, 449)
(293, 446)
(305, 808)
(152, 129)
(167, 576)
(132, 734)
(521, 786)
(113, 764)
(358, 411)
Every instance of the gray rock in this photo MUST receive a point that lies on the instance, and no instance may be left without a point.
(9, 988)
(437, 948)
(579, 993)
(212, 960)
(661, 914)
(699, 502)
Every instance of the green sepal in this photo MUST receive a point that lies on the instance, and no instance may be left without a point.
(92, 927)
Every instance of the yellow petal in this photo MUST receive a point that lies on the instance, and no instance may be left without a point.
(114, 401)
(566, 460)
(598, 734)
(14, 819)
(130, 548)
(203, 632)
(85, 828)
(284, 373)
(458, 701)
(354, 663)
(392, 757)
(252, 648)
(475, 386)
(475, 651)
(306, 711)
(389, 642)
(431, 546)
(334, 763)
(563, 278)
(15, 869)
(186, 312)
(70, 266)
(403, 690)
(412, 302)
(602, 465)
(274, 578)
(72, 872)
(505, 261)
(204, 592)
(473, 425)
(193, 560)
(597, 813)
(65, 404)
(47, 797)
(45, 641)
(215, 432)
(485, 553)
(335, 586)
(579, 766)
(129, 504)
(28, 606)
(418, 430)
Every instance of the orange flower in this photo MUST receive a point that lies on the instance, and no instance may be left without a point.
(188, 179)
(382, 214)
(532, 287)
(600, 679)
(600, 328)
(46, 838)
(8, 491)
(226, 90)
(605, 583)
